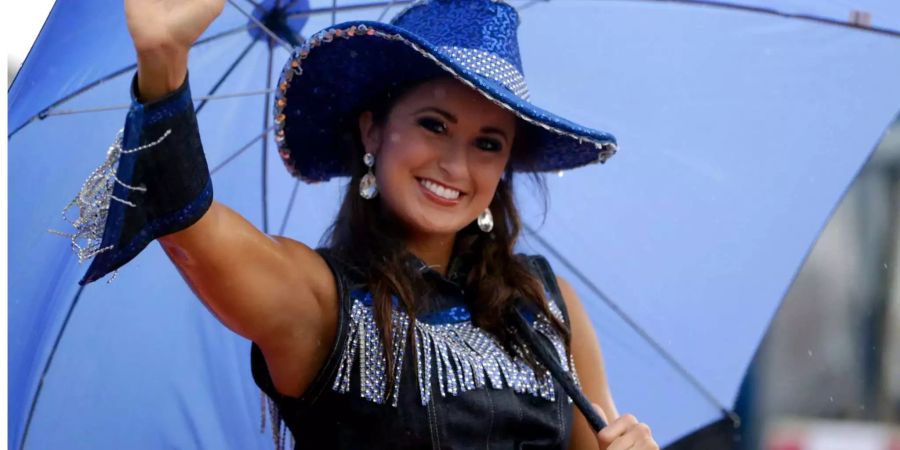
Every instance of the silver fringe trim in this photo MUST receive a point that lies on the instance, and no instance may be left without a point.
(547, 330)
(281, 435)
(94, 198)
(460, 355)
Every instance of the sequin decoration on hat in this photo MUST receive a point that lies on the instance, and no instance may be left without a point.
(341, 69)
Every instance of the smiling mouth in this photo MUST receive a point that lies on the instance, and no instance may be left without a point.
(440, 191)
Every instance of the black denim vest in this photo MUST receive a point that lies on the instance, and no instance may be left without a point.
(345, 406)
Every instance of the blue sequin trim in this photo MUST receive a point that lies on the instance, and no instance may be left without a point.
(108, 261)
(163, 108)
(454, 314)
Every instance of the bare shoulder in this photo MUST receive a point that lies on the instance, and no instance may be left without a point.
(312, 270)
(297, 352)
(272, 290)
(589, 365)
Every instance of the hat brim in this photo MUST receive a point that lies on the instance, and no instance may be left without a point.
(328, 79)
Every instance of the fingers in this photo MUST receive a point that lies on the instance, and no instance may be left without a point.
(626, 433)
(615, 430)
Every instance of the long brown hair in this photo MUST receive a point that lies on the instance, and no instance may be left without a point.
(365, 235)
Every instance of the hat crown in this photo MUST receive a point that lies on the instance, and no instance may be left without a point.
(481, 25)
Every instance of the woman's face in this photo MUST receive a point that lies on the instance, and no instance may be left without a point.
(439, 155)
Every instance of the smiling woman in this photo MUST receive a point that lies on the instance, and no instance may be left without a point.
(397, 333)
(440, 152)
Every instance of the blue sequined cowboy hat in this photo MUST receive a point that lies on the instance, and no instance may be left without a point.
(341, 68)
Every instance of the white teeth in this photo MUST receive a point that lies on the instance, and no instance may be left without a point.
(440, 191)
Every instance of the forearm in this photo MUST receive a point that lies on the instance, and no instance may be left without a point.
(160, 71)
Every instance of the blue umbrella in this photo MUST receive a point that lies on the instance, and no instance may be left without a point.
(740, 126)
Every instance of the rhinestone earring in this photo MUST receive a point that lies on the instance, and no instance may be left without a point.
(368, 187)
(486, 220)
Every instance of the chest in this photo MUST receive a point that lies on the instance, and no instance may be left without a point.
(453, 386)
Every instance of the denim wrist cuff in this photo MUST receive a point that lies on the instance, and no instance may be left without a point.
(155, 181)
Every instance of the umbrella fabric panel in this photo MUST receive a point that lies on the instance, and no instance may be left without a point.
(76, 47)
(734, 149)
(40, 298)
(141, 372)
(127, 387)
(641, 382)
(733, 152)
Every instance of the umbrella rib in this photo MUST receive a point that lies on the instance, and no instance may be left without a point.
(316, 11)
(241, 150)
(290, 206)
(325, 10)
(775, 12)
(262, 26)
(530, 4)
(222, 34)
(637, 328)
(47, 364)
(226, 74)
(48, 111)
(265, 146)
(63, 112)
(385, 10)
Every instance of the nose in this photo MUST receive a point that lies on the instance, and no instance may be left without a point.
(453, 161)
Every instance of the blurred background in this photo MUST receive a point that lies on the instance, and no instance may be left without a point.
(23, 23)
(827, 375)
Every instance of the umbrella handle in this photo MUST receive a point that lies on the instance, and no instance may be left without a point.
(546, 355)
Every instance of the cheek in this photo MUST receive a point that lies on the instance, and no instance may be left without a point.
(489, 165)
(403, 147)
(486, 178)
(399, 156)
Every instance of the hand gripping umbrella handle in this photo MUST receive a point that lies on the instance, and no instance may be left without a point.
(546, 355)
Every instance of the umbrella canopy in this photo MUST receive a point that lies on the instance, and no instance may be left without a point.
(740, 126)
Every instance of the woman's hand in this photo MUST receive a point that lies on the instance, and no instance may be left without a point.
(155, 24)
(163, 31)
(624, 433)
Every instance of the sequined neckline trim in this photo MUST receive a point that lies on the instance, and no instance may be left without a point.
(453, 314)
(451, 351)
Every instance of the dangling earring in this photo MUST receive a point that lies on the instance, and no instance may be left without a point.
(486, 220)
(368, 188)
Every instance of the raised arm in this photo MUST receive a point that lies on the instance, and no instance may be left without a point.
(261, 287)
(274, 291)
(257, 285)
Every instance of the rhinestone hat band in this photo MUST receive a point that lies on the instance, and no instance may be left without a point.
(491, 66)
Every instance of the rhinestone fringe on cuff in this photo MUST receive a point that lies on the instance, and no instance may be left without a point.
(94, 198)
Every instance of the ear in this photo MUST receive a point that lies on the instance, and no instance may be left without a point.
(369, 132)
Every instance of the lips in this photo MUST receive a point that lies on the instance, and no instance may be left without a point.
(440, 193)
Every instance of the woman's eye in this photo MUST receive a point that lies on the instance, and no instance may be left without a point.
(433, 125)
(491, 145)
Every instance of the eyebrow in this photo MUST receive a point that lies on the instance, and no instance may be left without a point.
(450, 117)
(440, 111)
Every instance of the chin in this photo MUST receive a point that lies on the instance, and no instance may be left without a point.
(432, 224)
(431, 227)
